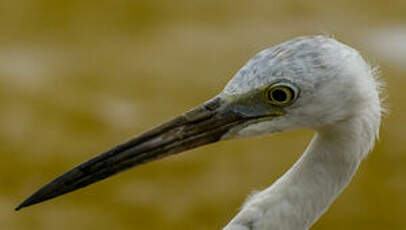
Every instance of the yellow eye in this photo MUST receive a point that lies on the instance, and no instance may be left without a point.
(280, 95)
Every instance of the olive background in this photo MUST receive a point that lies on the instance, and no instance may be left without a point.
(78, 77)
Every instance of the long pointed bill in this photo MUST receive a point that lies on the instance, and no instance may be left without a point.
(200, 126)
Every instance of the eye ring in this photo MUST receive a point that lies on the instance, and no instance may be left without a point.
(281, 95)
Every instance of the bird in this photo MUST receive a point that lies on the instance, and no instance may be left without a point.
(311, 82)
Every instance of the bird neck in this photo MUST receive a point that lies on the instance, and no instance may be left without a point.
(319, 176)
(307, 189)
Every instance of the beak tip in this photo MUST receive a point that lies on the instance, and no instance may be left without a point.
(33, 199)
(22, 205)
(28, 202)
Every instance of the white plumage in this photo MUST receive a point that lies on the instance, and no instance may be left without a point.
(344, 110)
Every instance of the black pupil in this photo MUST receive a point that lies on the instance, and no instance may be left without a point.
(279, 95)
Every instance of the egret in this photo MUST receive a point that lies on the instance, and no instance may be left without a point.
(313, 82)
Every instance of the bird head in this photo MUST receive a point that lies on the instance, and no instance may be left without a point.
(307, 82)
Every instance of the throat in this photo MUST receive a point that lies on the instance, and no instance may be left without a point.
(307, 189)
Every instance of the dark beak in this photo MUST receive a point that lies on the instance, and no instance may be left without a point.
(200, 126)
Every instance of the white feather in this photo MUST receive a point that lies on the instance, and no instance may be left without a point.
(340, 101)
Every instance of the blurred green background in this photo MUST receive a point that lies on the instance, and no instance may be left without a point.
(78, 77)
